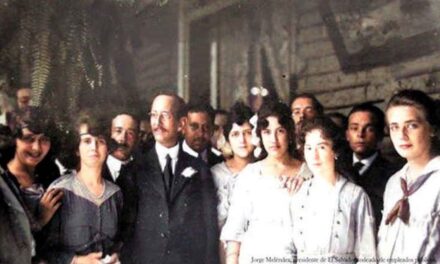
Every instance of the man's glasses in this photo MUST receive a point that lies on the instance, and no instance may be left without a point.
(165, 115)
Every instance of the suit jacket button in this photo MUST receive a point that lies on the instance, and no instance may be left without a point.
(160, 215)
(163, 235)
(168, 252)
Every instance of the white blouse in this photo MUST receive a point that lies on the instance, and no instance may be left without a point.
(419, 240)
(259, 218)
(224, 180)
(333, 223)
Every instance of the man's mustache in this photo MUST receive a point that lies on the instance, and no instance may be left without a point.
(158, 128)
(114, 145)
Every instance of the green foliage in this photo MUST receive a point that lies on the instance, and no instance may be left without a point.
(64, 50)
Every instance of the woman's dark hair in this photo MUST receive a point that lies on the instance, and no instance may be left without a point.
(429, 108)
(38, 121)
(238, 114)
(330, 131)
(97, 125)
(283, 113)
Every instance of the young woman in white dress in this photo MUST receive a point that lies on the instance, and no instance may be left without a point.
(258, 228)
(410, 228)
(331, 216)
(238, 134)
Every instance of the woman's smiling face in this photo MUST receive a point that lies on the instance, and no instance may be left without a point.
(31, 148)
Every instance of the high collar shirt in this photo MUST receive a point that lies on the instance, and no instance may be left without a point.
(419, 240)
(195, 154)
(367, 162)
(333, 223)
(114, 165)
(162, 153)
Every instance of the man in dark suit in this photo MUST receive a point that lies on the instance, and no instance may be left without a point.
(121, 166)
(176, 219)
(364, 133)
(198, 128)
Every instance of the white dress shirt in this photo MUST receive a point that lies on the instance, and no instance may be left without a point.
(114, 165)
(162, 153)
(367, 162)
(194, 153)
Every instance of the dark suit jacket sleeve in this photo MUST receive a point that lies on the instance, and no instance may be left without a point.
(130, 198)
(210, 207)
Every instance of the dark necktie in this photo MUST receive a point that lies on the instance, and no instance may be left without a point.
(200, 158)
(168, 174)
(358, 166)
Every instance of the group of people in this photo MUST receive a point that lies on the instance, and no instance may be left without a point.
(276, 184)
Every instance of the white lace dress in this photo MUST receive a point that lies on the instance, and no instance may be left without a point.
(259, 218)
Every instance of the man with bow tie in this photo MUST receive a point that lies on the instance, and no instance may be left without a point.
(198, 128)
(364, 133)
(121, 165)
(176, 207)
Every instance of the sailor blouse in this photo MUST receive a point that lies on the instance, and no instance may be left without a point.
(419, 240)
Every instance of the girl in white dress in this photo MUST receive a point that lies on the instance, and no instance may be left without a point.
(332, 217)
(410, 228)
(238, 133)
(258, 228)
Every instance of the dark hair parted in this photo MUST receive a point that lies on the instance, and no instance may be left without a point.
(239, 114)
(97, 125)
(282, 112)
(179, 105)
(39, 121)
(377, 114)
(329, 131)
(423, 102)
(316, 104)
(121, 111)
(201, 108)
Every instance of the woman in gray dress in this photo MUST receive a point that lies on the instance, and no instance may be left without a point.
(84, 229)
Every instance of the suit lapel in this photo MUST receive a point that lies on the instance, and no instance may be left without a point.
(106, 173)
(153, 173)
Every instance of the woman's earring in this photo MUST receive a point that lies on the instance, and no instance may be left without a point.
(336, 157)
